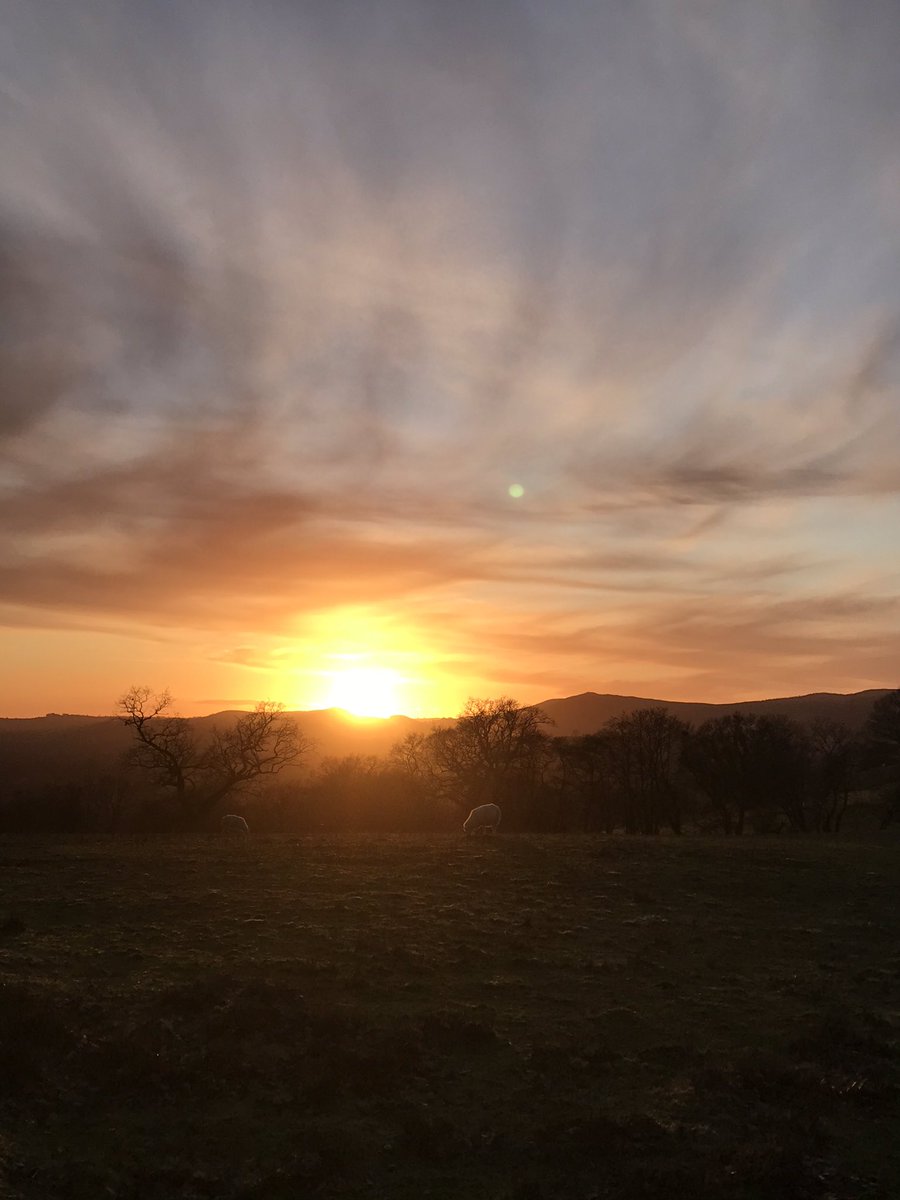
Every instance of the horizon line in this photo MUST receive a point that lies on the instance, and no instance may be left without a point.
(359, 719)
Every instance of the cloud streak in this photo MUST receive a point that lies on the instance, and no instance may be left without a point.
(290, 297)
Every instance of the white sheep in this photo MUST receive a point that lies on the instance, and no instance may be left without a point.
(232, 823)
(485, 818)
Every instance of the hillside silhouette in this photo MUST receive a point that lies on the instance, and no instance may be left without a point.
(590, 711)
(63, 748)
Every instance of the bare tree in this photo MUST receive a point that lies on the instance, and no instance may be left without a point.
(411, 756)
(784, 751)
(836, 762)
(752, 767)
(261, 743)
(723, 757)
(645, 749)
(586, 782)
(882, 737)
(495, 752)
(165, 747)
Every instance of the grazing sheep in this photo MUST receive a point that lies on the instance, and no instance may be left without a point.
(485, 818)
(232, 823)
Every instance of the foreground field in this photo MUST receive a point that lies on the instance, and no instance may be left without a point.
(515, 1017)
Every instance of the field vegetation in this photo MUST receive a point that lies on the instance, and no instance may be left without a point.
(516, 1017)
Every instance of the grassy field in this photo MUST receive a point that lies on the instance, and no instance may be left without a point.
(511, 1017)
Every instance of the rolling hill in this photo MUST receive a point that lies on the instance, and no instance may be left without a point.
(589, 712)
(63, 748)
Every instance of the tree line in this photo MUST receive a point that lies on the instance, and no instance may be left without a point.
(648, 771)
(643, 773)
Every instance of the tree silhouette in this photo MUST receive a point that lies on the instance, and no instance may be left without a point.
(494, 752)
(645, 749)
(261, 743)
(586, 782)
(882, 739)
(165, 749)
(723, 756)
(836, 763)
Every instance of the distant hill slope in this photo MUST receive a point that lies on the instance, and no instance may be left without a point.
(59, 749)
(589, 712)
(335, 733)
(64, 748)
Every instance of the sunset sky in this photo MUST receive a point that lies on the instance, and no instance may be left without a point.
(411, 350)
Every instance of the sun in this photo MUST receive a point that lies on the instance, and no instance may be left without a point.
(365, 691)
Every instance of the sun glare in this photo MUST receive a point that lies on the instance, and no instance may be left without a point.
(372, 663)
(365, 691)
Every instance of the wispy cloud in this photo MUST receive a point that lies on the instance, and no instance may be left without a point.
(290, 295)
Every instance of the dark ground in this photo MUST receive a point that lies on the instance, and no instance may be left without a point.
(513, 1018)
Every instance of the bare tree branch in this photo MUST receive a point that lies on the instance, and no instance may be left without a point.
(261, 743)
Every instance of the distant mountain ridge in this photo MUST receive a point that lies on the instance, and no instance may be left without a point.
(590, 711)
(63, 747)
(584, 713)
